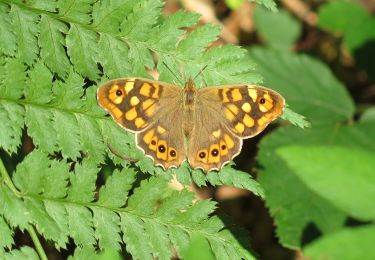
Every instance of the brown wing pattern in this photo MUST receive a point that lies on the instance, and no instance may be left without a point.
(152, 110)
(224, 116)
(247, 109)
(134, 102)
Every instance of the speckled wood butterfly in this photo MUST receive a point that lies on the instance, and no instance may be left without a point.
(205, 126)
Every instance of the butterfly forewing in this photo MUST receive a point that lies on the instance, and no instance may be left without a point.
(246, 110)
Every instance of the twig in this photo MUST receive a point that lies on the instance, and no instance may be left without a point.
(121, 156)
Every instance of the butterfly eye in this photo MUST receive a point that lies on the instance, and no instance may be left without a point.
(202, 155)
(119, 92)
(262, 101)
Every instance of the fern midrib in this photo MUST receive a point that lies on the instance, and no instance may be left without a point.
(50, 107)
(123, 210)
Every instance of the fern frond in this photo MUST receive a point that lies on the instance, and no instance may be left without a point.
(24, 253)
(149, 221)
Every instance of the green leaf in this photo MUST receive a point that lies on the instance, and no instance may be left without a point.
(146, 195)
(295, 118)
(107, 229)
(354, 243)
(135, 237)
(13, 209)
(350, 19)
(197, 42)
(279, 30)
(80, 225)
(368, 115)
(328, 101)
(24, 253)
(44, 223)
(239, 179)
(348, 175)
(78, 11)
(198, 249)
(52, 43)
(295, 202)
(115, 192)
(269, 4)
(25, 30)
(108, 15)
(83, 182)
(8, 39)
(6, 238)
(114, 56)
(138, 24)
(82, 45)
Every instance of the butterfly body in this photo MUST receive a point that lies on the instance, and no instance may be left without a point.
(205, 126)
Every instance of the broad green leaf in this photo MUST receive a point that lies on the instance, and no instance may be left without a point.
(339, 16)
(368, 115)
(269, 4)
(350, 19)
(291, 199)
(348, 243)
(307, 85)
(343, 176)
(279, 30)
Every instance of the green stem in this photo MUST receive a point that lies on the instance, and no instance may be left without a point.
(8, 181)
(4, 174)
(38, 245)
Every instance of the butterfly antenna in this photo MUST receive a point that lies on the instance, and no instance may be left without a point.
(166, 65)
(200, 72)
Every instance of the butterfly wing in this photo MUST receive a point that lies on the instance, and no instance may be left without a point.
(226, 115)
(152, 110)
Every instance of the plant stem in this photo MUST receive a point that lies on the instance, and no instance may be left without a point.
(4, 174)
(38, 245)
(8, 181)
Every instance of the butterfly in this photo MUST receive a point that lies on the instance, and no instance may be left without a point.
(206, 126)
